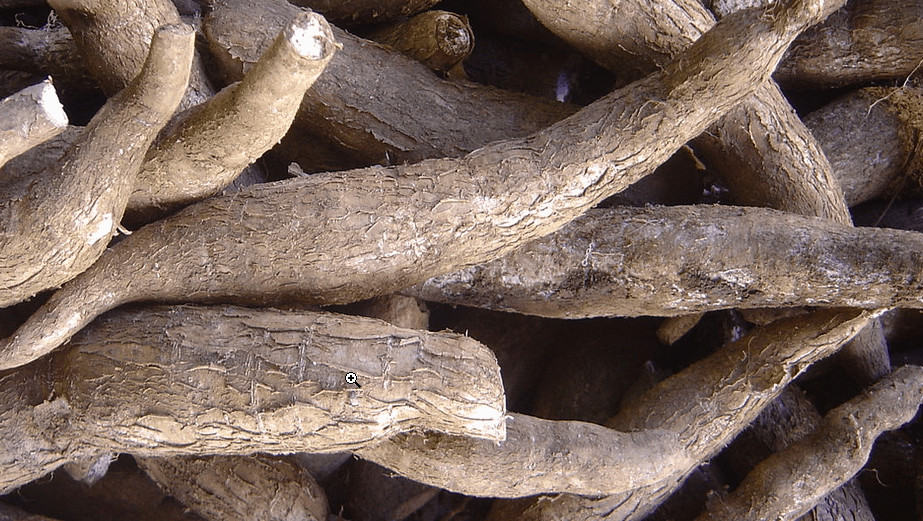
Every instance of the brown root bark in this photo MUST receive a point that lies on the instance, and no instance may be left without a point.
(113, 36)
(439, 39)
(761, 149)
(356, 236)
(28, 118)
(406, 115)
(11, 513)
(58, 223)
(50, 51)
(709, 257)
(789, 483)
(659, 442)
(871, 138)
(209, 145)
(234, 381)
(366, 11)
(787, 420)
(711, 414)
(240, 488)
(864, 42)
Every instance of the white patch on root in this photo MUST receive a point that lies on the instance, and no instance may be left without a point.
(103, 229)
(309, 39)
(51, 105)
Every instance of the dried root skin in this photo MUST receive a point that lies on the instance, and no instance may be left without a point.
(366, 11)
(215, 141)
(240, 488)
(537, 456)
(234, 381)
(439, 39)
(866, 42)
(750, 373)
(57, 223)
(709, 257)
(406, 115)
(28, 118)
(789, 483)
(761, 149)
(373, 241)
(114, 35)
(663, 445)
(49, 50)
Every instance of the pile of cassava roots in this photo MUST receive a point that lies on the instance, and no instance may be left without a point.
(384, 260)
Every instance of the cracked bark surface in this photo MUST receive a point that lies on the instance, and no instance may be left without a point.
(234, 381)
(461, 212)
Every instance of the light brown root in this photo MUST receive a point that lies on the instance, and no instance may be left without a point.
(240, 488)
(790, 482)
(114, 36)
(352, 235)
(235, 381)
(709, 258)
(209, 145)
(366, 11)
(28, 118)
(658, 443)
(439, 39)
(58, 222)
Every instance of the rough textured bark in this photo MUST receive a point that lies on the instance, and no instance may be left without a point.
(210, 144)
(868, 41)
(789, 419)
(240, 488)
(761, 149)
(659, 441)
(439, 39)
(28, 118)
(711, 414)
(356, 236)
(49, 50)
(114, 36)
(408, 114)
(58, 222)
(789, 483)
(235, 381)
(709, 257)
(366, 11)
(870, 137)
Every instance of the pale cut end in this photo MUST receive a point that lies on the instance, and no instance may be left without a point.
(51, 105)
(309, 35)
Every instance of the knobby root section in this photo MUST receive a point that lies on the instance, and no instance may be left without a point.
(357, 234)
(191, 381)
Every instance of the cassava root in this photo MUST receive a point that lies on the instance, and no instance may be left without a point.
(29, 118)
(709, 258)
(355, 236)
(234, 381)
(57, 223)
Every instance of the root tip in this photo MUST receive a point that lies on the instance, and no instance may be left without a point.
(310, 36)
(52, 105)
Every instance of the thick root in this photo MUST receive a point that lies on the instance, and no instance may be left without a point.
(28, 118)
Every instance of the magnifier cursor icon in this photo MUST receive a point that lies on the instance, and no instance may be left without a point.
(351, 379)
